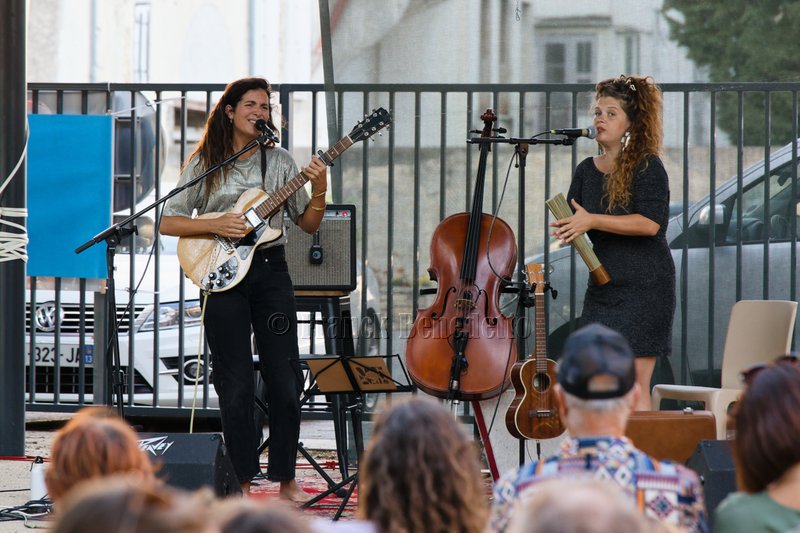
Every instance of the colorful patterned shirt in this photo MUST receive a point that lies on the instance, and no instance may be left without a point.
(665, 491)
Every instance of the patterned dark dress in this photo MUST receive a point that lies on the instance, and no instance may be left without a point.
(639, 302)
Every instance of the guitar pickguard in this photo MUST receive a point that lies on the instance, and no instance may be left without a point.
(229, 272)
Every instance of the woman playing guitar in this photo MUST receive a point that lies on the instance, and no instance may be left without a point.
(264, 300)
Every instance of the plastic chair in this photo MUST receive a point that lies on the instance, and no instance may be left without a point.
(758, 331)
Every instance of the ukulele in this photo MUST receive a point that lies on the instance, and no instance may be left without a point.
(217, 263)
(533, 413)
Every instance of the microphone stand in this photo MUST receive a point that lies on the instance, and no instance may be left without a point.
(112, 236)
(524, 300)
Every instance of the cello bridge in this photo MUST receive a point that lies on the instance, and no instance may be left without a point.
(464, 303)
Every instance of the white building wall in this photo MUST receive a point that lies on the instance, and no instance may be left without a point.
(190, 41)
(397, 41)
(658, 56)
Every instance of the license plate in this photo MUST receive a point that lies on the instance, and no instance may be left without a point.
(45, 355)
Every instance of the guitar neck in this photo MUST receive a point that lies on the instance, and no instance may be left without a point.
(273, 203)
(540, 335)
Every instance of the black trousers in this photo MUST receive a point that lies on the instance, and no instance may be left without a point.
(263, 300)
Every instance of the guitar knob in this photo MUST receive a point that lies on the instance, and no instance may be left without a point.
(228, 275)
(220, 282)
(212, 276)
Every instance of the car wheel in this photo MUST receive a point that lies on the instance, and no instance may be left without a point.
(369, 335)
(369, 344)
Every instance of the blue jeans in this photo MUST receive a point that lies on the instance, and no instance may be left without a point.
(263, 301)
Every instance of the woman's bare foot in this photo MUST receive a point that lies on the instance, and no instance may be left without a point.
(291, 491)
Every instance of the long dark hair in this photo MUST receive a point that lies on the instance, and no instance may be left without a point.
(217, 141)
(767, 427)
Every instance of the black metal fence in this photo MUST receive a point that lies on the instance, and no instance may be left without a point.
(420, 171)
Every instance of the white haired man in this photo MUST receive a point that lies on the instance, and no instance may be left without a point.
(596, 392)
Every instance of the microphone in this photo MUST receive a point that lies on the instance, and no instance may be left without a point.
(589, 132)
(261, 125)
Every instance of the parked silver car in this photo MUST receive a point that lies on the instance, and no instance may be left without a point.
(55, 318)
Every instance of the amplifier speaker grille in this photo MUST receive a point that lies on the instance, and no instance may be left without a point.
(325, 260)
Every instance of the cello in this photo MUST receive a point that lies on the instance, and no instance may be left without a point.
(462, 346)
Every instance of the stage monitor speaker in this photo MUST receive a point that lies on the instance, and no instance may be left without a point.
(713, 462)
(191, 461)
(326, 260)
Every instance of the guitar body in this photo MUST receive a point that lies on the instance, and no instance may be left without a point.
(533, 413)
(216, 263)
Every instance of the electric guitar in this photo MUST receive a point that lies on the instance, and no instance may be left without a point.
(533, 413)
(216, 263)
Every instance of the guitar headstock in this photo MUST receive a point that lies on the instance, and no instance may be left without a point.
(535, 274)
(372, 124)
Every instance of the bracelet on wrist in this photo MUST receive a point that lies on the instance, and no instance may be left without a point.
(319, 194)
(315, 208)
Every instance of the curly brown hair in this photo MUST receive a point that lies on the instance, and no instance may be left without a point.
(641, 101)
(767, 419)
(94, 444)
(420, 473)
(217, 141)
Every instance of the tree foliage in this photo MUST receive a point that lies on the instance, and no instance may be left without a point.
(743, 40)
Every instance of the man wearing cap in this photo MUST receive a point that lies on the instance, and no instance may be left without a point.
(596, 393)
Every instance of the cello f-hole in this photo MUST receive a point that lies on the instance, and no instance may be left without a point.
(434, 314)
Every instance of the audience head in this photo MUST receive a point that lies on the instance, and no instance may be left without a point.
(767, 420)
(596, 376)
(578, 506)
(420, 472)
(93, 444)
(250, 516)
(129, 504)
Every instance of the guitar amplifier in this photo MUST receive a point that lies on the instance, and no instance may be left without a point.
(325, 260)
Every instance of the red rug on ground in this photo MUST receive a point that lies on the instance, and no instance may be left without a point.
(312, 482)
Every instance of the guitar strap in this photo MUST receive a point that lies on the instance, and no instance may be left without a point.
(263, 167)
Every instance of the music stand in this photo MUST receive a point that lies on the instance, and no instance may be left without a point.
(353, 376)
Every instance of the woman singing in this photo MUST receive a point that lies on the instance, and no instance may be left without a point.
(621, 198)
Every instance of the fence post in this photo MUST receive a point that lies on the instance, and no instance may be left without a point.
(12, 271)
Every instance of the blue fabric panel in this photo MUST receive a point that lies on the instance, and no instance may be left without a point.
(70, 175)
